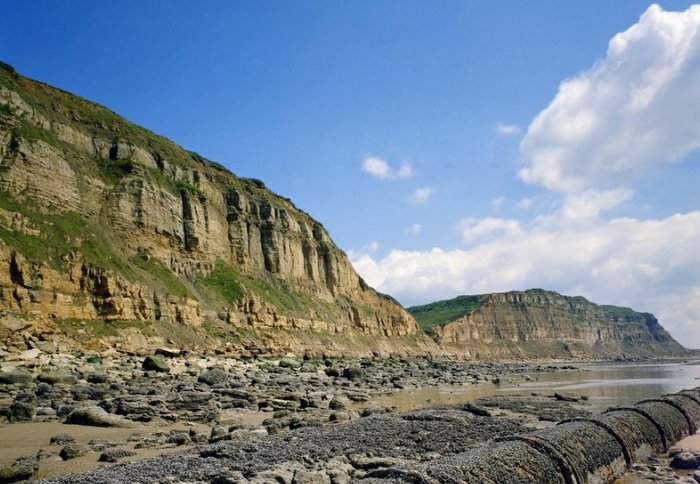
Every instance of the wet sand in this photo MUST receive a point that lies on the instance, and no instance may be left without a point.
(22, 439)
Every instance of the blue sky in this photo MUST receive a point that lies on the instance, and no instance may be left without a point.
(409, 129)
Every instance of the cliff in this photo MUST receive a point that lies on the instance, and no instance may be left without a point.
(113, 236)
(543, 324)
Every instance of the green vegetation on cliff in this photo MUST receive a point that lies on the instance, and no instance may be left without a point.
(52, 238)
(442, 312)
(232, 286)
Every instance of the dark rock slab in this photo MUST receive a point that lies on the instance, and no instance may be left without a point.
(15, 377)
(155, 363)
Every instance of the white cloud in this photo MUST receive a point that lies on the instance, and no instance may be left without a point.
(590, 203)
(421, 195)
(382, 169)
(413, 229)
(371, 247)
(498, 202)
(376, 167)
(649, 265)
(507, 129)
(479, 230)
(406, 171)
(634, 109)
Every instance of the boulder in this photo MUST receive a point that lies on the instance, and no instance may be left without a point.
(113, 455)
(58, 378)
(215, 376)
(22, 469)
(686, 460)
(96, 417)
(289, 363)
(23, 408)
(353, 373)
(61, 439)
(12, 377)
(71, 451)
(97, 378)
(156, 363)
(332, 372)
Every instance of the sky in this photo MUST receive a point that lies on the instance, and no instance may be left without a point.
(453, 147)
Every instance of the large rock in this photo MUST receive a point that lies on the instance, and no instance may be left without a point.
(71, 451)
(22, 469)
(686, 460)
(156, 363)
(13, 377)
(354, 373)
(57, 378)
(215, 376)
(113, 455)
(23, 408)
(96, 417)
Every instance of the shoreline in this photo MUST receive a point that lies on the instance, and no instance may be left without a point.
(205, 400)
(218, 397)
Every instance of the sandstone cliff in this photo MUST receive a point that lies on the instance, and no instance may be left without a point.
(115, 236)
(543, 324)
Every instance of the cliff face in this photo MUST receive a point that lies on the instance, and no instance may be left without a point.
(104, 221)
(544, 324)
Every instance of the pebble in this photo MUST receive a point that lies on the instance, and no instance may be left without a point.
(686, 460)
(113, 455)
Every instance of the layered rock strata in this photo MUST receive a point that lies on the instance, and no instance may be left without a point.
(544, 324)
(105, 221)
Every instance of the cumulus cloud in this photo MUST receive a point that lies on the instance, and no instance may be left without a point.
(634, 109)
(478, 230)
(380, 168)
(649, 265)
(507, 129)
(421, 195)
(376, 167)
(589, 204)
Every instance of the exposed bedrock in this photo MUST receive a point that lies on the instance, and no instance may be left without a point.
(544, 324)
(591, 450)
(101, 220)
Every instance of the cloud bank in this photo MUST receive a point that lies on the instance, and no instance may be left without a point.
(649, 265)
(633, 111)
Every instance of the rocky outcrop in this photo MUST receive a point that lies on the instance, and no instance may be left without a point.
(102, 220)
(544, 324)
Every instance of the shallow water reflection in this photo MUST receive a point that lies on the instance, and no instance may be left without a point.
(606, 385)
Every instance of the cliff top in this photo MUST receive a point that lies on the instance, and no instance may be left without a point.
(445, 311)
(54, 105)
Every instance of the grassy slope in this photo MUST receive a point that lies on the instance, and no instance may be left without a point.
(442, 312)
